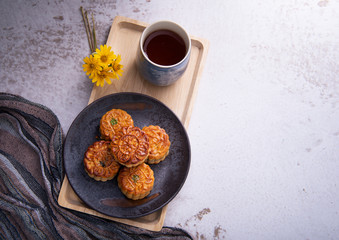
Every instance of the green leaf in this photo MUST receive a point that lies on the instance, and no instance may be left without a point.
(114, 121)
(135, 178)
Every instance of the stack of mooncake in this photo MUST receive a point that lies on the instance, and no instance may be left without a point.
(126, 150)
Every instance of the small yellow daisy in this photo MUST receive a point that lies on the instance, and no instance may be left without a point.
(104, 55)
(91, 66)
(104, 75)
(117, 67)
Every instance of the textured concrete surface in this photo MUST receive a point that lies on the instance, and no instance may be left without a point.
(264, 130)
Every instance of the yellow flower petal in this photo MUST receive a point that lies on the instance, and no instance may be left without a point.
(117, 67)
(91, 65)
(104, 55)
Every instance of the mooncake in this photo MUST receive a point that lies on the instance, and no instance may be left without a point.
(113, 121)
(99, 162)
(136, 182)
(130, 147)
(159, 144)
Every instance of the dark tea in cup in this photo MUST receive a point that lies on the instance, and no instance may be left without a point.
(164, 53)
(164, 47)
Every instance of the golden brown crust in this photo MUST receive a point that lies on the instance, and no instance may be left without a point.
(99, 163)
(131, 147)
(159, 143)
(136, 182)
(113, 121)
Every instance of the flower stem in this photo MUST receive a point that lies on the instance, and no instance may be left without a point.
(88, 29)
(94, 36)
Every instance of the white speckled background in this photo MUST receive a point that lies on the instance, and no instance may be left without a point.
(265, 126)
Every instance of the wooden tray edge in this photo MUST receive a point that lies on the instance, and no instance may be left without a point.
(62, 201)
(204, 44)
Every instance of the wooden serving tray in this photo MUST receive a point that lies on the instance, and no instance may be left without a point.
(179, 97)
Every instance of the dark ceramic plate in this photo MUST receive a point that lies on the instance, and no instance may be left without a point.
(106, 197)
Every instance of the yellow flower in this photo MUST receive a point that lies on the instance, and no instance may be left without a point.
(104, 55)
(104, 75)
(117, 67)
(91, 66)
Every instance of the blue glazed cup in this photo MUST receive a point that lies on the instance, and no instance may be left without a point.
(162, 75)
